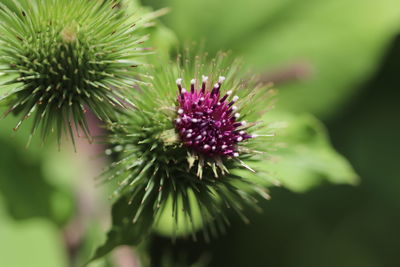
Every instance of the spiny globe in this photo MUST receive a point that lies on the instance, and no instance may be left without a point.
(207, 122)
(63, 57)
(190, 153)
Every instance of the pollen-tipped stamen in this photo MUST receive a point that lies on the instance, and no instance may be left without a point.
(206, 122)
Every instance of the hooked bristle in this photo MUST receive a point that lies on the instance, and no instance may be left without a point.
(63, 68)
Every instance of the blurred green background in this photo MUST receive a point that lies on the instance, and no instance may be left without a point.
(335, 60)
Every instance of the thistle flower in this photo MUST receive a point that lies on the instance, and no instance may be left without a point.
(187, 148)
(206, 122)
(62, 57)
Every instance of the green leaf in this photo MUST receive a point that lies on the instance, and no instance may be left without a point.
(305, 157)
(123, 230)
(25, 191)
(33, 243)
(340, 41)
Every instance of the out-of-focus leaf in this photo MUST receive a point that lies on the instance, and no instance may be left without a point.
(33, 243)
(341, 41)
(25, 192)
(21, 137)
(163, 40)
(123, 230)
(305, 157)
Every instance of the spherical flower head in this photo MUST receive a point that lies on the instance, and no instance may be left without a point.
(208, 122)
(189, 152)
(61, 58)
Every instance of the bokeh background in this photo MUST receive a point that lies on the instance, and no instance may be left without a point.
(337, 61)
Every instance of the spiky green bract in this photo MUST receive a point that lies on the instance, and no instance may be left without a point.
(154, 168)
(62, 57)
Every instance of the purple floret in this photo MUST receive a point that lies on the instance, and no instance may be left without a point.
(207, 122)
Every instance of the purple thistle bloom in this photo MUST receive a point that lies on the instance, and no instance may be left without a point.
(207, 122)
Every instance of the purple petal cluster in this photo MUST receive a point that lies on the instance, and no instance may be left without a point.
(207, 122)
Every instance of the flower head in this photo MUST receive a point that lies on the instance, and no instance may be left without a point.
(208, 122)
(190, 154)
(61, 58)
